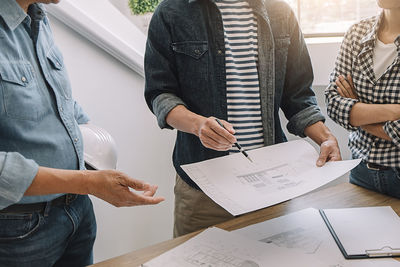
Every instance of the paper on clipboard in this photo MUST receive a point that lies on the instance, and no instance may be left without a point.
(365, 232)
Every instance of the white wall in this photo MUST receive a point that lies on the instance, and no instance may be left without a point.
(112, 95)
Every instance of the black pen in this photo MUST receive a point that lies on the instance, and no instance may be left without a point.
(236, 143)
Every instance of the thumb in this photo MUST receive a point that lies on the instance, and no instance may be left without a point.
(323, 157)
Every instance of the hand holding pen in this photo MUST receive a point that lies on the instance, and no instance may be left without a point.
(236, 143)
(215, 137)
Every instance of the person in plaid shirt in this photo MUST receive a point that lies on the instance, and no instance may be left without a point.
(364, 97)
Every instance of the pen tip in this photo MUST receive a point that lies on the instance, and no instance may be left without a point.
(250, 159)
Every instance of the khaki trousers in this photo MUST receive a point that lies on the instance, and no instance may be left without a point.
(194, 210)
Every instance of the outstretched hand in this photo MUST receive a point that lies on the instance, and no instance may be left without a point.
(121, 190)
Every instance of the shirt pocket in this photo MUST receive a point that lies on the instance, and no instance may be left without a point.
(21, 96)
(59, 76)
(192, 66)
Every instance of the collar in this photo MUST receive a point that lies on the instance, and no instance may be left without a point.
(371, 36)
(13, 15)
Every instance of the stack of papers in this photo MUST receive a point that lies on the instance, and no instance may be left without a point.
(299, 239)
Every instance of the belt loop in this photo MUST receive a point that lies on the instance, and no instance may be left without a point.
(69, 198)
(47, 209)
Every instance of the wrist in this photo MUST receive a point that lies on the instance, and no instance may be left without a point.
(198, 124)
(319, 133)
(86, 182)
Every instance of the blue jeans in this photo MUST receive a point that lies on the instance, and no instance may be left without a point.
(382, 181)
(60, 236)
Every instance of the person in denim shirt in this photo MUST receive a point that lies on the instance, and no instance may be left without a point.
(187, 81)
(46, 218)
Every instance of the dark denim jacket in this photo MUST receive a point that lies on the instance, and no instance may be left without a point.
(185, 64)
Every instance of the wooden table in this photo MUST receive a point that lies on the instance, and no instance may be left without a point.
(340, 196)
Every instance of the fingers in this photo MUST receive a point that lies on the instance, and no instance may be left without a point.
(136, 184)
(323, 157)
(209, 143)
(346, 87)
(342, 85)
(353, 88)
(129, 198)
(329, 151)
(350, 79)
(222, 132)
(228, 127)
(214, 136)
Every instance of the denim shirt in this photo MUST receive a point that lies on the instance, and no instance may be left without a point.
(38, 117)
(185, 65)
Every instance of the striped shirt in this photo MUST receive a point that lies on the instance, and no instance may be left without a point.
(242, 83)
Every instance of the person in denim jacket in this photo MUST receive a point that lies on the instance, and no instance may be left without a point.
(197, 55)
(46, 217)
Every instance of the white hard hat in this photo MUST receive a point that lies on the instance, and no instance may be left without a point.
(99, 148)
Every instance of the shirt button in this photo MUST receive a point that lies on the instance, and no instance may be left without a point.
(197, 51)
(219, 52)
(61, 109)
(76, 140)
(23, 79)
(58, 65)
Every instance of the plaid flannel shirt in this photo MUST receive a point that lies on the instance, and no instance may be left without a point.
(356, 58)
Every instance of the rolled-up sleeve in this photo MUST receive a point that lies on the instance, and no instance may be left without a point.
(16, 175)
(339, 107)
(298, 100)
(392, 129)
(80, 116)
(161, 89)
(162, 105)
(300, 121)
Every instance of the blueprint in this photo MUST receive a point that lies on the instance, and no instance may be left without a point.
(217, 248)
(306, 232)
(277, 173)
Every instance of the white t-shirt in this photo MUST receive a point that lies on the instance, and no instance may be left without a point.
(384, 56)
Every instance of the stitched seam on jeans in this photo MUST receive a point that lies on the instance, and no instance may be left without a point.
(24, 235)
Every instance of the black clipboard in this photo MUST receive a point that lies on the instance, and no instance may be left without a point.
(384, 252)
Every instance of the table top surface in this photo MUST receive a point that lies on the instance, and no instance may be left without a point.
(344, 195)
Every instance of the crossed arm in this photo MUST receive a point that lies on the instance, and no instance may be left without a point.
(370, 117)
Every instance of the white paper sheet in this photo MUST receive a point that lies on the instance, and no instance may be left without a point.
(279, 173)
(217, 248)
(306, 232)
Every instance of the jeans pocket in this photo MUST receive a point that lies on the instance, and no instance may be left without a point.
(18, 226)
